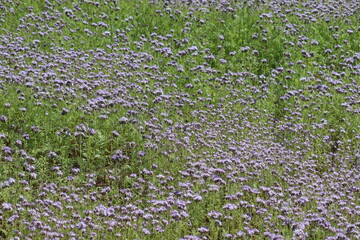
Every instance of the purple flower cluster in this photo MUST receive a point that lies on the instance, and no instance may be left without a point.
(269, 152)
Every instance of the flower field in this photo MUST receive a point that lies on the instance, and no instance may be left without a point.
(180, 119)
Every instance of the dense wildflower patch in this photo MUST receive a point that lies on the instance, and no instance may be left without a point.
(179, 119)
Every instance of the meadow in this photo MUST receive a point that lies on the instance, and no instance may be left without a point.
(180, 119)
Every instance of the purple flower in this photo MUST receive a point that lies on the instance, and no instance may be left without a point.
(3, 118)
(123, 120)
(7, 207)
(223, 61)
(115, 133)
(230, 206)
(146, 231)
(7, 150)
(13, 218)
(141, 153)
(300, 234)
(214, 214)
(118, 156)
(65, 111)
(52, 155)
(175, 214)
(18, 143)
(203, 230)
